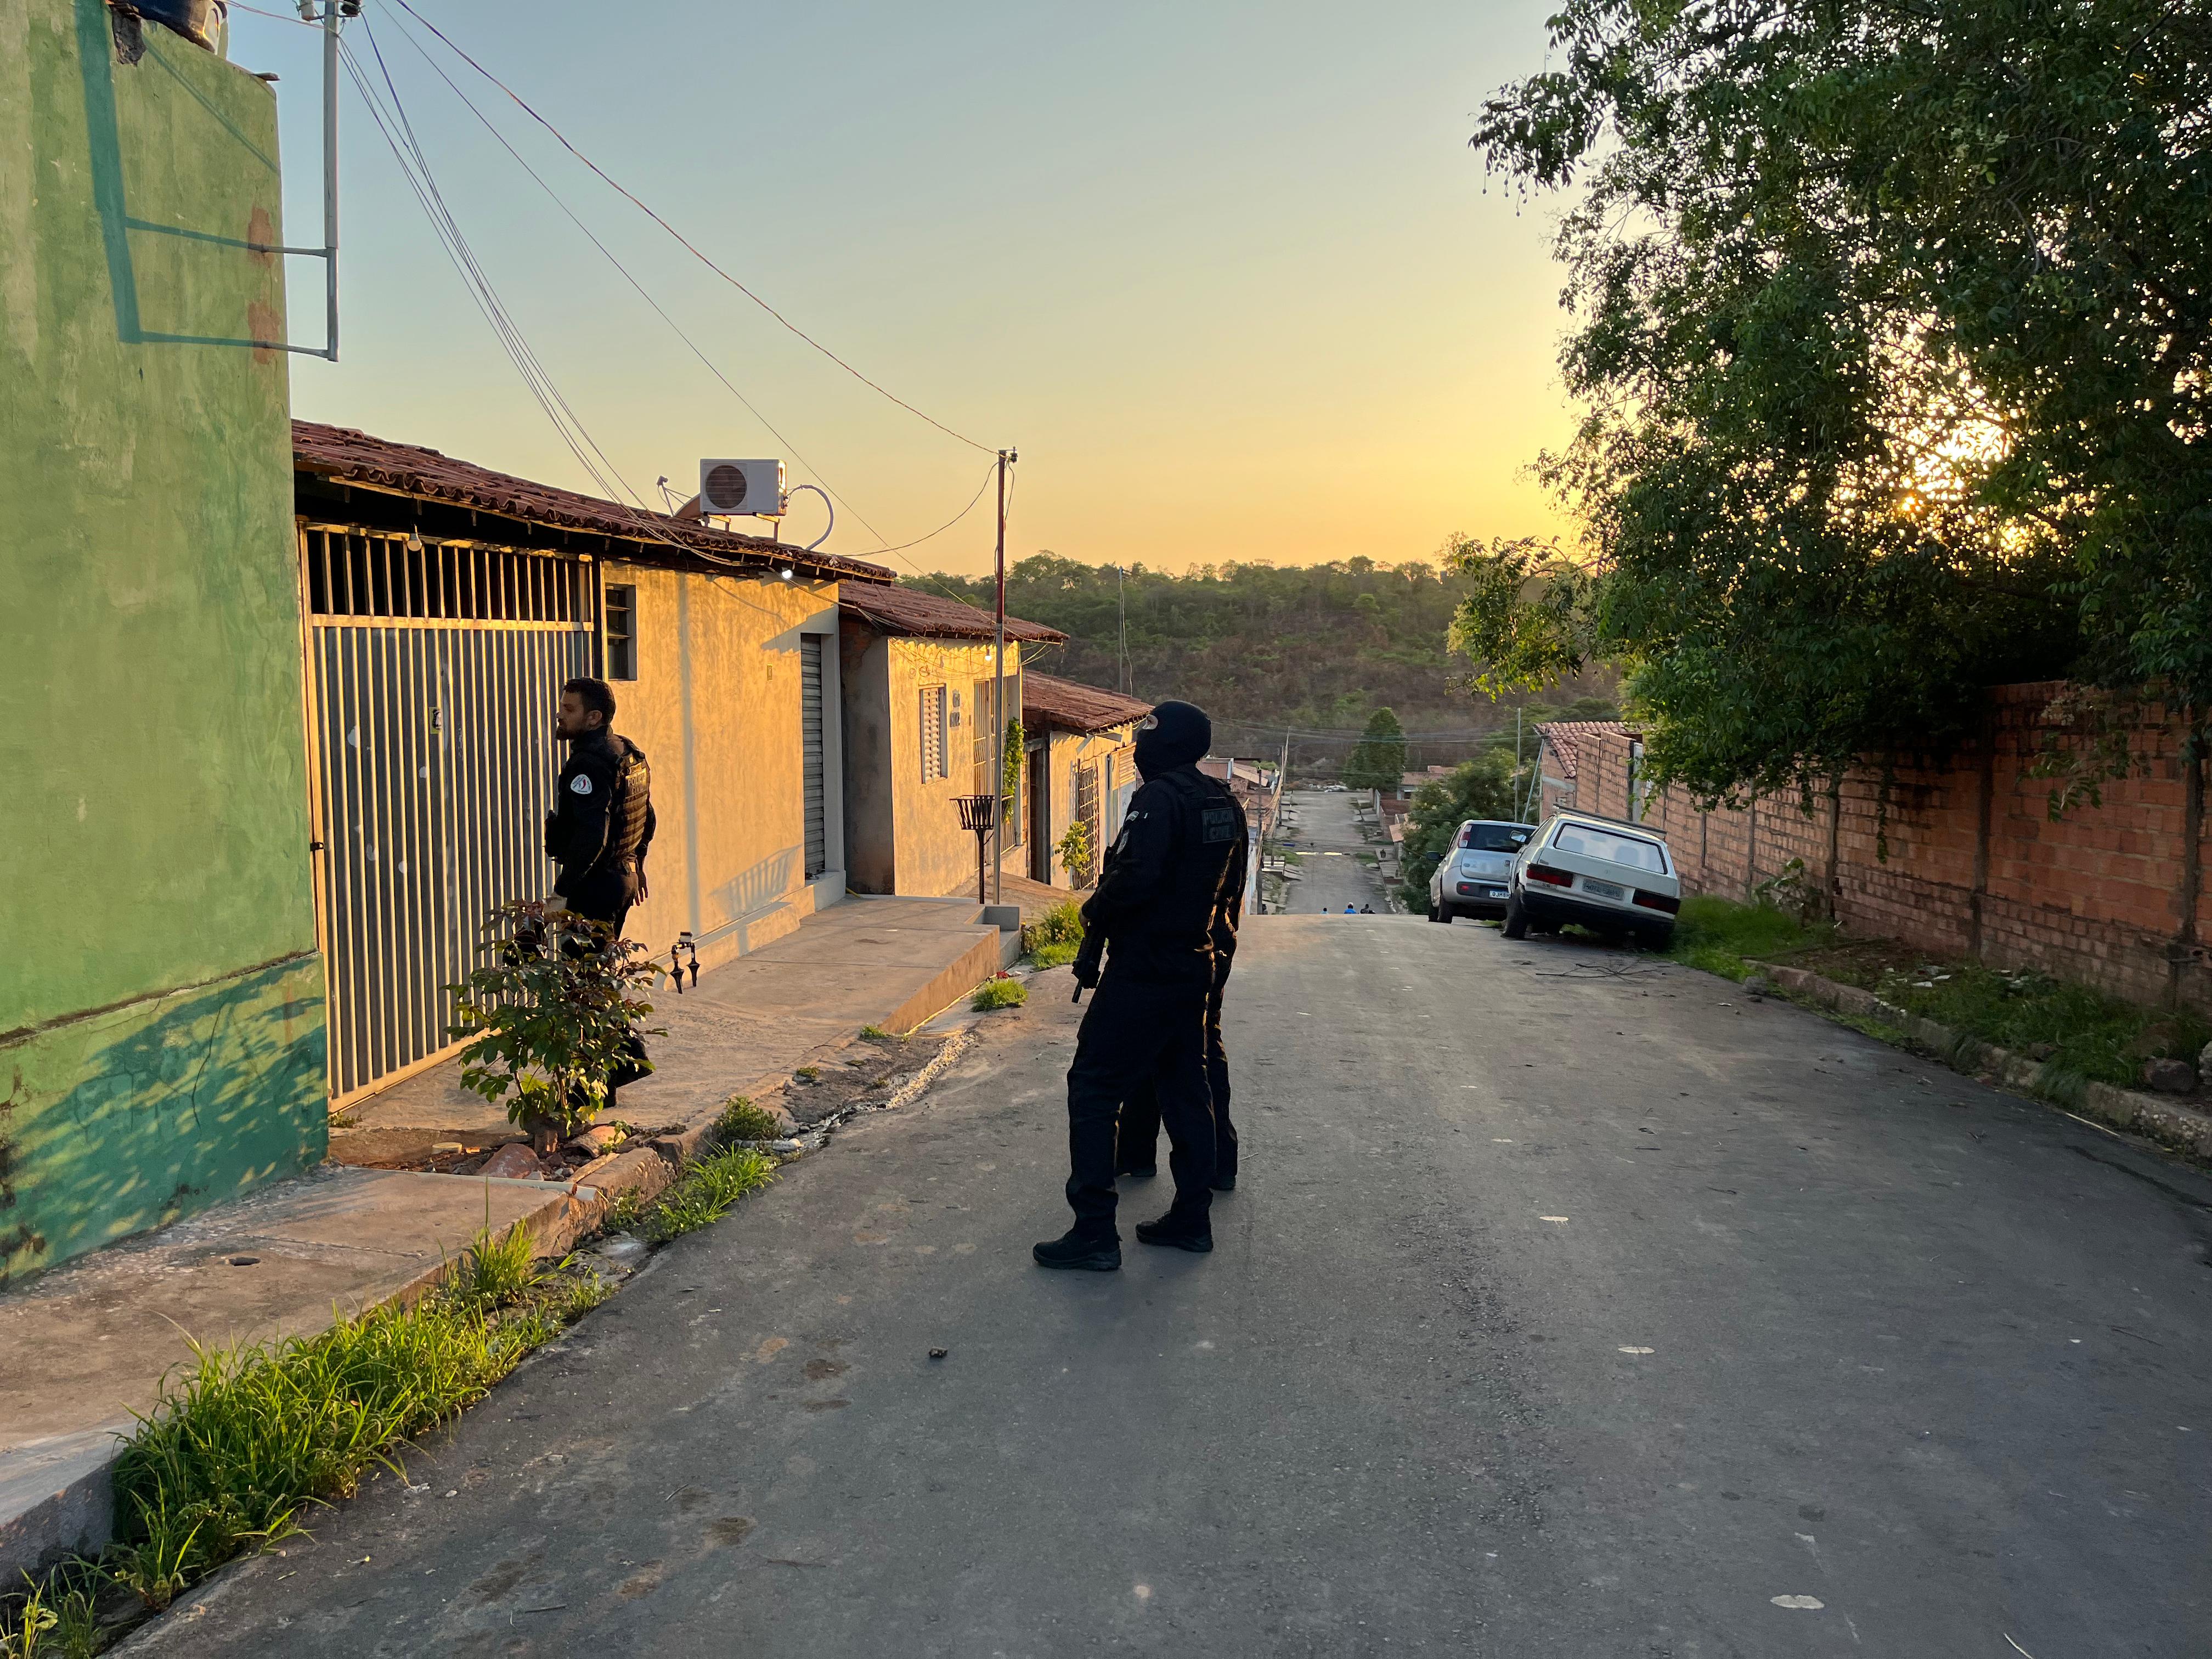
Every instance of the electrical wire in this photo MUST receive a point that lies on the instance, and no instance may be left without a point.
(884, 542)
(685, 242)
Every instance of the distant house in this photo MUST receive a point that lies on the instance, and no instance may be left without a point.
(1559, 750)
(1078, 765)
(916, 676)
(445, 604)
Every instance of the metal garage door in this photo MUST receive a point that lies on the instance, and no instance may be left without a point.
(436, 669)
(809, 723)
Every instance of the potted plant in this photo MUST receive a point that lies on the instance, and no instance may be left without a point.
(553, 1018)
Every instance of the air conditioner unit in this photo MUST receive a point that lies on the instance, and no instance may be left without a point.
(751, 488)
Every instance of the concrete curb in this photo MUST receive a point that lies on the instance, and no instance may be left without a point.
(2150, 1115)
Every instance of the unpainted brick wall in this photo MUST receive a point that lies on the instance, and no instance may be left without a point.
(1967, 860)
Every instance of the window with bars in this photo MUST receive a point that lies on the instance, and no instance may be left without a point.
(621, 606)
(933, 715)
(361, 574)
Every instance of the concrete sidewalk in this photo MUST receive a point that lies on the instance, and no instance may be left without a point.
(85, 1347)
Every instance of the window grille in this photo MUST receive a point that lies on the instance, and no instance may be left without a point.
(621, 607)
(353, 573)
(933, 734)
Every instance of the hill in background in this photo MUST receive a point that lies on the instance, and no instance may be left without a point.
(1264, 648)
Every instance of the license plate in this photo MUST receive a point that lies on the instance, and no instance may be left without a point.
(1604, 890)
(1493, 892)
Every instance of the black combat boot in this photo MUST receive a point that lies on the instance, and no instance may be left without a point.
(1180, 1232)
(1097, 1253)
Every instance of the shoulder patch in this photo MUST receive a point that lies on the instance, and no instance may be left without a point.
(579, 784)
(1220, 824)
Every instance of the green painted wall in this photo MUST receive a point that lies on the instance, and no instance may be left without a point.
(160, 1004)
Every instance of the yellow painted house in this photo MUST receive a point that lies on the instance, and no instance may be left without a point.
(1081, 765)
(443, 605)
(917, 675)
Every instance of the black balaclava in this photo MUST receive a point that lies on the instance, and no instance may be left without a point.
(1174, 734)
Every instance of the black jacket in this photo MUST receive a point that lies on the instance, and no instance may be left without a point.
(1173, 890)
(602, 819)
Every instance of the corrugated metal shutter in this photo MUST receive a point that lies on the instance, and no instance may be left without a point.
(435, 770)
(809, 726)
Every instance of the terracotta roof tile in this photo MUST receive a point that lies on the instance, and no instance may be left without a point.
(349, 457)
(1048, 700)
(910, 611)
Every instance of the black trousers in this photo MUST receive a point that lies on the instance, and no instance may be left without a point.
(1139, 1033)
(1138, 1146)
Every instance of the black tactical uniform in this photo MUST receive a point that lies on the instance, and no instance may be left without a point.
(600, 826)
(1179, 849)
(1137, 1145)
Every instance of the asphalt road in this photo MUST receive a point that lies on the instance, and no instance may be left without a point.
(1327, 838)
(1569, 1305)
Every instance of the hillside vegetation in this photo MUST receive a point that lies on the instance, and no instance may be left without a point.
(1263, 647)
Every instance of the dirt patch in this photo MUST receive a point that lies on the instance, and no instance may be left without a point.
(864, 1076)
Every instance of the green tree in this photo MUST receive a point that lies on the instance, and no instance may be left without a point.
(1378, 760)
(1487, 786)
(1895, 343)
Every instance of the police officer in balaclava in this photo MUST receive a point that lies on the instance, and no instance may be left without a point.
(1155, 906)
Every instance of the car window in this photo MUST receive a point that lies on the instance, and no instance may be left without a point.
(1592, 842)
(1494, 837)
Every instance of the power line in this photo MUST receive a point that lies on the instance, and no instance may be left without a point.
(535, 376)
(687, 245)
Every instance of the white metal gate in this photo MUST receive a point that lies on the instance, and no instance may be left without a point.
(810, 730)
(436, 669)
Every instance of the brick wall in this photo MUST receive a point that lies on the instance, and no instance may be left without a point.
(1974, 865)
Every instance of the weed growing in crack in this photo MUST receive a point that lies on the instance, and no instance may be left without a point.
(705, 1191)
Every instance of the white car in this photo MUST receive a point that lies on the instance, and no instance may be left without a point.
(1470, 880)
(1614, 878)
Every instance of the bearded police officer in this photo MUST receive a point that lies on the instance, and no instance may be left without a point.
(1178, 850)
(602, 820)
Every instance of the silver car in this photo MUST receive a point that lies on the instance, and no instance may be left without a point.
(1605, 874)
(1472, 878)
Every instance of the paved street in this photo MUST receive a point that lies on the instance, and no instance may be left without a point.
(1328, 844)
(1570, 1305)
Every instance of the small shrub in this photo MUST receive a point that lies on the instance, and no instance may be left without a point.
(808, 1073)
(877, 1033)
(999, 993)
(1062, 925)
(741, 1120)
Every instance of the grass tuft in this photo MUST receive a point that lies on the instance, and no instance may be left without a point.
(705, 1190)
(999, 993)
(243, 1443)
(1056, 938)
(1722, 938)
(877, 1033)
(741, 1120)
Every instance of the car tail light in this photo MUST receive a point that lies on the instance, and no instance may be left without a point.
(1546, 873)
(1466, 887)
(1658, 902)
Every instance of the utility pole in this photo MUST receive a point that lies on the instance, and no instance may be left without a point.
(998, 784)
(1122, 631)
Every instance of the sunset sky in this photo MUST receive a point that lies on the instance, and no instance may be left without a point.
(1228, 274)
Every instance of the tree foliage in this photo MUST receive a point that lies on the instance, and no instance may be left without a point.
(1378, 760)
(1895, 339)
(1488, 787)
